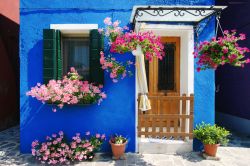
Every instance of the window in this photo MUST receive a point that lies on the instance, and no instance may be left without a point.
(64, 48)
(76, 54)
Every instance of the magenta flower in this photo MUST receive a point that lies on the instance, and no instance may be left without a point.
(221, 51)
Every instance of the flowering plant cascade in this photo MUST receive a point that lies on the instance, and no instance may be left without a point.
(116, 69)
(56, 150)
(149, 42)
(224, 50)
(70, 90)
(121, 40)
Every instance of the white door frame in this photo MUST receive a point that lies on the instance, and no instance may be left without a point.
(186, 33)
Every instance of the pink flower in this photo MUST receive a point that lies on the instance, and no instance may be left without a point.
(54, 135)
(103, 95)
(78, 140)
(115, 80)
(107, 21)
(116, 23)
(198, 69)
(225, 50)
(72, 70)
(87, 133)
(86, 145)
(100, 30)
(126, 28)
(61, 133)
(33, 151)
(97, 135)
(247, 60)
(242, 36)
(55, 142)
(73, 145)
(54, 109)
(45, 158)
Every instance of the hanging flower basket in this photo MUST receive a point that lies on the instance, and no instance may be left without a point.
(68, 91)
(121, 40)
(224, 50)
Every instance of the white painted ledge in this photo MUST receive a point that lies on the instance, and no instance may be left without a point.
(74, 29)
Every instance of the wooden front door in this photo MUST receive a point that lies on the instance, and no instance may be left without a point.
(164, 78)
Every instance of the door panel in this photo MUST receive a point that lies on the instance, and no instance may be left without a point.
(164, 78)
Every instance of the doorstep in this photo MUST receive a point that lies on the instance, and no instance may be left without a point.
(161, 146)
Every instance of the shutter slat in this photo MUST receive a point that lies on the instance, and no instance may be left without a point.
(96, 45)
(59, 56)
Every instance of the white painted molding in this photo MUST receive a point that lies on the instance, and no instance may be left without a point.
(74, 29)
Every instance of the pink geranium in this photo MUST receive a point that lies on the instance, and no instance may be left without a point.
(70, 90)
(116, 69)
(150, 44)
(62, 152)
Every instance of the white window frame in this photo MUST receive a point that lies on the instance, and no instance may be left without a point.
(74, 29)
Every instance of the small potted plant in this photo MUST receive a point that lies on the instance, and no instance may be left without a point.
(211, 136)
(118, 144)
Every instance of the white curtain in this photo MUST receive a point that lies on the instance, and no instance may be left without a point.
(144, 103)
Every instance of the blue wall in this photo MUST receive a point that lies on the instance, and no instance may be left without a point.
(117, 113)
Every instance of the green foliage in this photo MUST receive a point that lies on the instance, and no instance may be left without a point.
(211, 134)
(118, 139)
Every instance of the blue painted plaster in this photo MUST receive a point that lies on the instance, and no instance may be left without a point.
(117, 113)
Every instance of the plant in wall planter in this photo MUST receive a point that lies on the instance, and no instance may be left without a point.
(70, 90)
(121, 40)
(212, 136)
(57, 150)
(118, 145)
(224, 50)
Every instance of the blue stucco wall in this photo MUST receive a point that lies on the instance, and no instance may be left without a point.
(117, 113)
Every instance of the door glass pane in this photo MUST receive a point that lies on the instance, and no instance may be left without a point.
(166, 68)
(76, 54)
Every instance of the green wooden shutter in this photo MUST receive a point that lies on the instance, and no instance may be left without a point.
(49, 55)
(52, 58)
(96, 45)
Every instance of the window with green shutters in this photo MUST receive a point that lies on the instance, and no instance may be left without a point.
(59, 54)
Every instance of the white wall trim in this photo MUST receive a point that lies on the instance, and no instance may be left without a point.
(74, 29)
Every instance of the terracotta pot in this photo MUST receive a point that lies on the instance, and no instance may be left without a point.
(211, 149)
(118, 149)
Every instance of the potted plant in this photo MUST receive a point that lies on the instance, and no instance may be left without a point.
(118, 144)
(211, 136)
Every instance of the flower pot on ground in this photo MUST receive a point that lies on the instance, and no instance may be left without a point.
(118, 146)
(212, 136)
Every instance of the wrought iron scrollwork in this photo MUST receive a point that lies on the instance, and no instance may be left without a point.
(176, 11)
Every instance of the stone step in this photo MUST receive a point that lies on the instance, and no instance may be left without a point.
(160, 146)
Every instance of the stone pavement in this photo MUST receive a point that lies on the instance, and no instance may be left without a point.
(236, 154)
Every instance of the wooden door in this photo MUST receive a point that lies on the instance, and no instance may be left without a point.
(164, 78)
